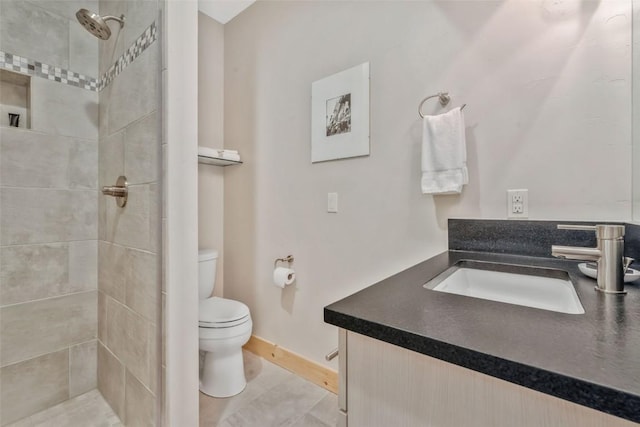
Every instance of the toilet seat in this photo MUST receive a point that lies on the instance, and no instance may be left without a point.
(216, 312)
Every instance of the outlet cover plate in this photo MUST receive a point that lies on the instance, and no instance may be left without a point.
(518, 203)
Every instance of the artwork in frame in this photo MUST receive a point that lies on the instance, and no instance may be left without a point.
(340, 115)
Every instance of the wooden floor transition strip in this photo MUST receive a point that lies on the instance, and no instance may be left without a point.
(317, 374)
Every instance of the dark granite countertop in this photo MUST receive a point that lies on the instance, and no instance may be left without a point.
(592, 359)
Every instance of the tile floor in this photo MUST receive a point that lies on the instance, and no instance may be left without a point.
(273, 397)
(87, 410)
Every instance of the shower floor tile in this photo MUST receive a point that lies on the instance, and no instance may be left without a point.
(87, 410)
(273, 397)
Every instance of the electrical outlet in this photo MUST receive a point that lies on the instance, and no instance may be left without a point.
(518, 203)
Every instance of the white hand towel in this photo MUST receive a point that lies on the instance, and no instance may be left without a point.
(208, 152)
(444, 153)
(231, 156)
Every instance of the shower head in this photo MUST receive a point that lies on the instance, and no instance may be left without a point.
(96, 24)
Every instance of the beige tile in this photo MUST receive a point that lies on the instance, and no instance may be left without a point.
(128, 336)
(83, 265)
(282, 405)
(36, 33)
(142, 283)
(141, 150)
(129, 226)
(83, 164)
(83, 48)
(261, 377)
(45, 215)
(309, 420)
(102, 316)
(64, 110)
(112, 265)
(66, 8)
(39, 327)
(155, 231)
(87, 410)
(134, 93)
(111, 165)
(33, 385)
(140, 14)
(111, 380)
(111, 49)
(139, 403)
(33, 159)
(83, 369)
(25, 422)
(33, 272)
(327, 409)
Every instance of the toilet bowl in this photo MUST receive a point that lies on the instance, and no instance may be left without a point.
(224, 327)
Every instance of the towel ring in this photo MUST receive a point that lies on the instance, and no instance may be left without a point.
(443, 97)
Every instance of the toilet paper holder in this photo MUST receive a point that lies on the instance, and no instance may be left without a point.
(287, 259)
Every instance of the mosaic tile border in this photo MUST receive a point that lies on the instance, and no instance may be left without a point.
(21, 64)
(137, 48)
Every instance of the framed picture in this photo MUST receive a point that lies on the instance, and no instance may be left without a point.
(340, 115)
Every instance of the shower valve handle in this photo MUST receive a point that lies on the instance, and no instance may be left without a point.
(120, 191)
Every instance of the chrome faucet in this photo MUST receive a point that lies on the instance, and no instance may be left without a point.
(608, 254)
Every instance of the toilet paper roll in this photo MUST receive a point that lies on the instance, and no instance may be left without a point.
(283, 276)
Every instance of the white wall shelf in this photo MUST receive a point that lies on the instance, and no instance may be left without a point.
(217, 161)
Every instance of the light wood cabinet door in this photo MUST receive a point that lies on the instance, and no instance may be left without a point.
(392, 386)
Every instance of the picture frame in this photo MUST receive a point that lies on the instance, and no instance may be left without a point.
(340, 115)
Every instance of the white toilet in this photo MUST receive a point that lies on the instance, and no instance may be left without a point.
(224, 327)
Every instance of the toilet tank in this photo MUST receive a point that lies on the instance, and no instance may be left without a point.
(207, 260)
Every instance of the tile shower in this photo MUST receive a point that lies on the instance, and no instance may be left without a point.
(79, 277)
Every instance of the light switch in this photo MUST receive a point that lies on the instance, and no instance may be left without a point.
(332, 202)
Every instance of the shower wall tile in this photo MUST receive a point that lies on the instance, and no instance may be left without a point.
(130, 226)
(39, 327)
(102, 316)
(43, 215)
(140, 14)
(31, 31)
(64, 110)
(83, 49)
(111, 377)
(155, 215)
(134, 93)
(111, 49)
(128, 338)
(111, 155)
(112, 263)
(139, 404)
(66, 8)
(83, 265)
(141, 150)
(142, 283)
(83, 368)
(33, 159)
(33, 385)
(83, 161)
(33, 272)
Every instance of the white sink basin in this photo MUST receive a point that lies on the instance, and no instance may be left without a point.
(546, 289)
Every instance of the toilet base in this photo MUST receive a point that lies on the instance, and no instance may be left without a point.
(223, 373)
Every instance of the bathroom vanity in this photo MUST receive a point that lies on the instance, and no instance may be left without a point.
(413, 356)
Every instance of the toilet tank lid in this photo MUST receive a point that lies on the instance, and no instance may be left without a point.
(207, 254)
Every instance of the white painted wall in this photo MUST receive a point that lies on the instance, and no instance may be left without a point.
(636, 111)
(180, 121)
(211, 134)
(547, 88)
